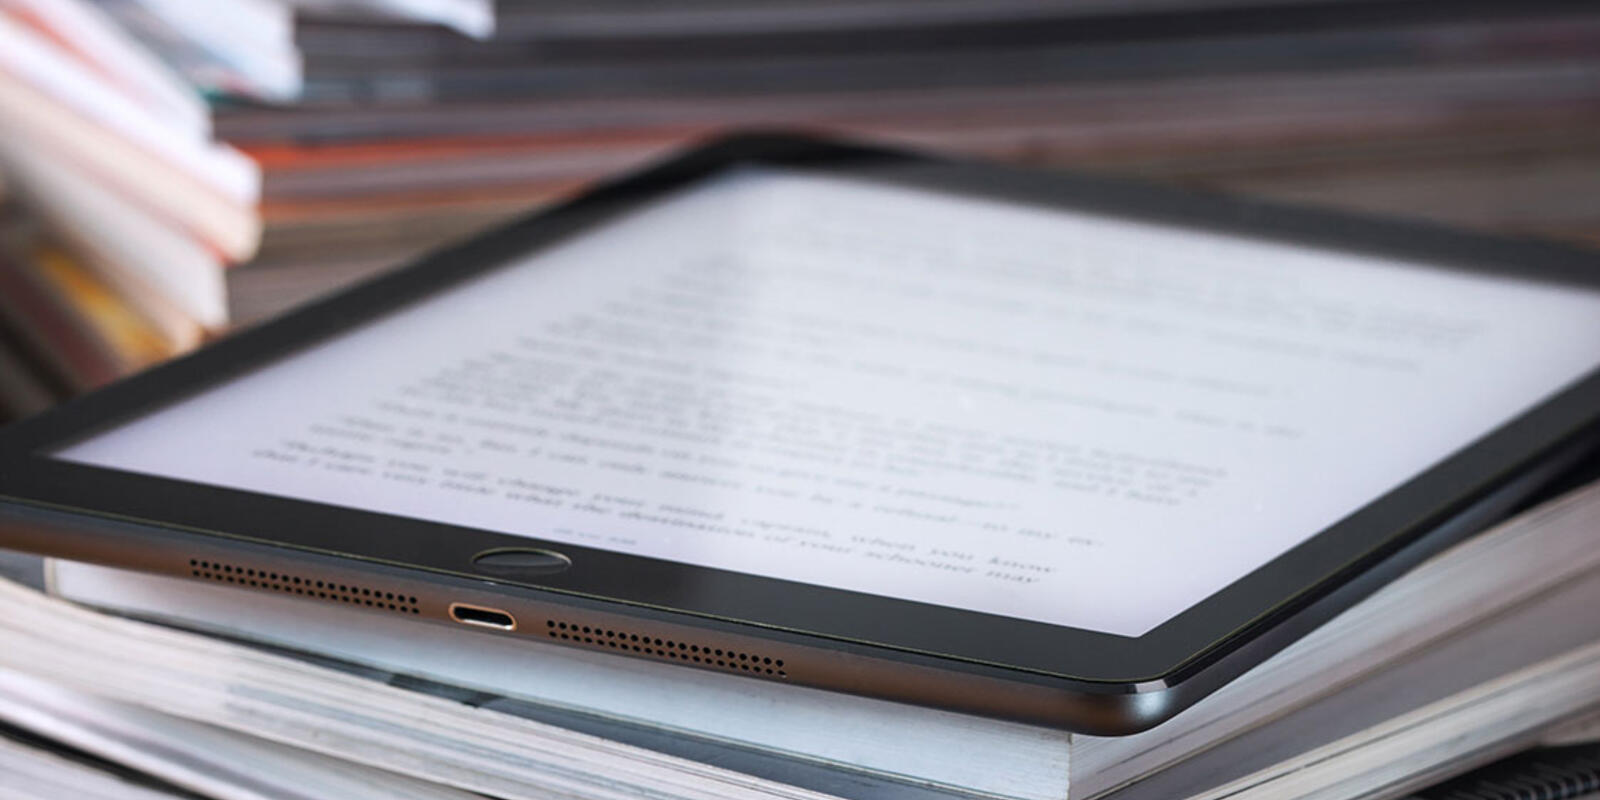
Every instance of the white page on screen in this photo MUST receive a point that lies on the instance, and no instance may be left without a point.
(1029, 412)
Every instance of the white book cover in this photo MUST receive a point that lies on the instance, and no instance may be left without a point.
(97, 40)
(239, 47)
(123, 242)
(70, 82)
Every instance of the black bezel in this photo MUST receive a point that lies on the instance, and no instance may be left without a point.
(1181, 646)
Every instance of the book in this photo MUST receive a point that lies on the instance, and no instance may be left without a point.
(94, 39)
(60, 111)
(1391, 107)
(133, 208)
(135, 340)
(1447, 709)
(110, 144)
(35, 773)
(878, 740)
(224, 763)
(46, 321)
(124, 243)
(250, 51)
(66, 316)
(1405, 666)
(247, 51)
(337, 714)
(187, 754)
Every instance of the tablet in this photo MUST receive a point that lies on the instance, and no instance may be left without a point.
(1051, 448)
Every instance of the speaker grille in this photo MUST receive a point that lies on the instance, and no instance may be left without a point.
(666, 649)
(304, 586)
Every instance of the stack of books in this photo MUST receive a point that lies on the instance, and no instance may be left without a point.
(133, 210)
(218, 691)
(122, 210)
(1479, 115)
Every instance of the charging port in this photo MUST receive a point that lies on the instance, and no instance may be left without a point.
(482, 617)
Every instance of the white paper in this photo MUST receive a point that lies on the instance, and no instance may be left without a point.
(1034, 413)
(344, 716)
(861, 734)
(211, 762)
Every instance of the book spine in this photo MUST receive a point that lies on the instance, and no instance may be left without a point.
(53, 331)
(127, 245)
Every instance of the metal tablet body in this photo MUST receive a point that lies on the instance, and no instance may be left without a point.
(1051, 448)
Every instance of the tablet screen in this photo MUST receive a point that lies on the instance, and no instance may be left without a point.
(1032, 412)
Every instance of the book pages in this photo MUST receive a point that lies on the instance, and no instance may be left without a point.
(34, 774)
(859, 735)
(318, 709)
(217, 763)
(1552, 545)
(1389, 758)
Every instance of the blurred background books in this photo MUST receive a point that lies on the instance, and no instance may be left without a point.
(151, 144)
(356, 140)
(122, 210)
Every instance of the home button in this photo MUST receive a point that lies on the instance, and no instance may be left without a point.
(514, 562)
